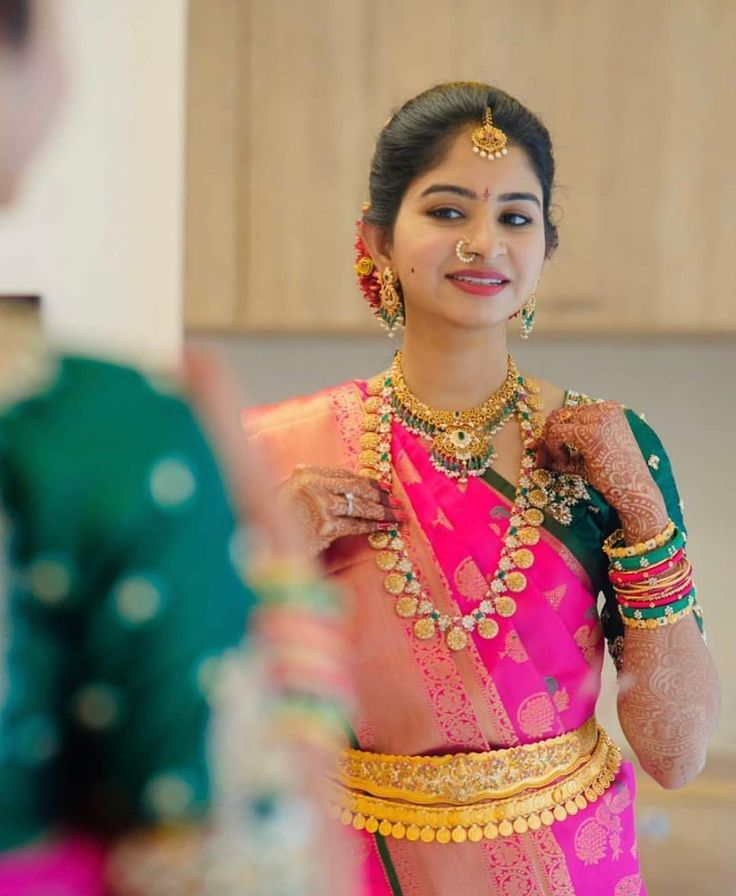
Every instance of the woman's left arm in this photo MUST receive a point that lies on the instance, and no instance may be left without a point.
(669, 698)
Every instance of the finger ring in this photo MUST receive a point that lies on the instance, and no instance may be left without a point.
(572, 450)
(565, 414)
(350, 498)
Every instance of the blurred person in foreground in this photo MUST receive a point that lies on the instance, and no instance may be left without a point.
(126, 593)
(475, 514)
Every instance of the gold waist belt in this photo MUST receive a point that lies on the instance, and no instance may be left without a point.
(472, 796)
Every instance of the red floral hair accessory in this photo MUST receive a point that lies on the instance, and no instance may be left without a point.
(365, 271)
(382, 295)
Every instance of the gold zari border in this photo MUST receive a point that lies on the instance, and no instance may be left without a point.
(528, 811)
(462, 778)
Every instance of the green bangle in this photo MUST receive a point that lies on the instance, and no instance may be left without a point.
(658, 612)
(307, 594)
(651, 558)
(308, 706)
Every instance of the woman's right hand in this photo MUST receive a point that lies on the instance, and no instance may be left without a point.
(329, 503)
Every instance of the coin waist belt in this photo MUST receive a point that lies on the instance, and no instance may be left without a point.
(474, 796)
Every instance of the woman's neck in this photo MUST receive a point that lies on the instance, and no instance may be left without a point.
(453, 371)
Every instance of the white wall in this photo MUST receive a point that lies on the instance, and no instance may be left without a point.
(99, 229)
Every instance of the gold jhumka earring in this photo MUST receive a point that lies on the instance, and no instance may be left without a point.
(392, 307)
(528, 310)
(488, 140)
(381, 290)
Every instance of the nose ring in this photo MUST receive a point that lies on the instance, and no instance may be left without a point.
(460, 250)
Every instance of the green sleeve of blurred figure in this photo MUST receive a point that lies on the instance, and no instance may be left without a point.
(121, 594)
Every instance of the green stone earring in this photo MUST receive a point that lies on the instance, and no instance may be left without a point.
(528, 311)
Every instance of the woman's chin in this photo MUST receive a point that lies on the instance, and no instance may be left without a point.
(476, 318)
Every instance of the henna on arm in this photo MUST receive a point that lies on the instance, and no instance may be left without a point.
(607, 455)
(669, 700)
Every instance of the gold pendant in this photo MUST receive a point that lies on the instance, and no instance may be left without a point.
(424, 628)
(505, 606)
(394, 583)
(487, 628)
(406, 606)
(456, 638)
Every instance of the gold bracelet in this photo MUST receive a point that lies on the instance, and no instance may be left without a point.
(636, 550)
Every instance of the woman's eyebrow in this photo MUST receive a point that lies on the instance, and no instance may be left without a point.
(519, 197)
(471, 194)
(450, 188)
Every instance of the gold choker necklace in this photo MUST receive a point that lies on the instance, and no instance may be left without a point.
(462, 441)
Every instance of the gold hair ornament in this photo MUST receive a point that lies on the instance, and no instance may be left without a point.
(488, 140)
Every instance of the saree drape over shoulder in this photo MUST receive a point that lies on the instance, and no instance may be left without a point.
(535, 683)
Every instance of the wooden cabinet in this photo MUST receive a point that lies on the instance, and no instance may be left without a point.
(285, 100)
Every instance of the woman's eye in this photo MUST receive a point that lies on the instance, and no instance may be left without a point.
(448, 214)
(515, 219)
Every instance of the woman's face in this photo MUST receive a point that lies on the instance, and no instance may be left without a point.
(31, 86)
(496, 206)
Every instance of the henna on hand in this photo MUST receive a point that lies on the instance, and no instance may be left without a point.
(596, 442)
(669, 700)
(316, 499)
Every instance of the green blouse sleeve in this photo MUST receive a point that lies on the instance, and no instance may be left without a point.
(123, 596)
(661, 469)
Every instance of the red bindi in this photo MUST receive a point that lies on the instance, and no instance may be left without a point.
(486, 194)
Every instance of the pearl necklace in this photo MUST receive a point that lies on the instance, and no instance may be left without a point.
(401, 580)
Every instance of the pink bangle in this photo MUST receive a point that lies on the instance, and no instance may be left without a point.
(656, 589)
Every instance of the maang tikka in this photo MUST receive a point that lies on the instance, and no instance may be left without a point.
(488, 140)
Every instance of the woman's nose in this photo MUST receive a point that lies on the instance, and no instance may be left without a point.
(488, 240)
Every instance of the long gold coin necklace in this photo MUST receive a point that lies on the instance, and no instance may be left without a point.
(390, 401)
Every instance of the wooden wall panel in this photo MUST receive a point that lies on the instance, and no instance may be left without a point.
(285, 100)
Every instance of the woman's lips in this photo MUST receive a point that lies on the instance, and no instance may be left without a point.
(479, 283)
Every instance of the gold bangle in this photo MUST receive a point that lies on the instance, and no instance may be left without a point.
(661, 621)
(653, 585)
(636, 550)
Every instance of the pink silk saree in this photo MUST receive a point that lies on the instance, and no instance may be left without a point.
(540, 677)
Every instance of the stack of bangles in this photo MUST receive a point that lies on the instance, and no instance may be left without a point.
(300, 623)
(652, 580)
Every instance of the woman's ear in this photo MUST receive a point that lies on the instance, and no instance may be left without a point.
(378, 242)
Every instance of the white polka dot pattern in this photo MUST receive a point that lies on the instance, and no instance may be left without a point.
(168, 795)
(138, 599)
(172, 483)
(96, 706)
(49, 579)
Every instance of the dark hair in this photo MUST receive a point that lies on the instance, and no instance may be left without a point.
(15, 19)
(419, 134)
